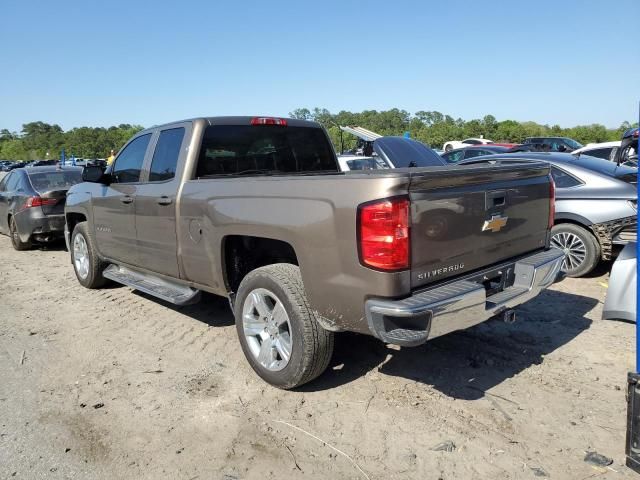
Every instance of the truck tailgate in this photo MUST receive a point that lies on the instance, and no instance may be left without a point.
(468, 217)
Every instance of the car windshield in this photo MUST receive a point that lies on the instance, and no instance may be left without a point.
(55, 180)
(572, 143)
(367, 164)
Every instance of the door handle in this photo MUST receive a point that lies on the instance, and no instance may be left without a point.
(126, 199)
(164, 200)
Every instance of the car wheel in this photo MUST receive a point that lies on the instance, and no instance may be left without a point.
(15, 237)
(581, 248)
(84, 257)
(279, 332)
(448, 148)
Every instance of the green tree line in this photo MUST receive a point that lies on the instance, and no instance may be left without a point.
(38, 138)
(435, 128)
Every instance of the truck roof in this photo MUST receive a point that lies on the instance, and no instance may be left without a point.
(239, 120)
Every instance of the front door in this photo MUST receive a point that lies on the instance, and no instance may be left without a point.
(114, 205)
(155, 204)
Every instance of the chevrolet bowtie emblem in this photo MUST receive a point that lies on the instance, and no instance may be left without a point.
(495, 224)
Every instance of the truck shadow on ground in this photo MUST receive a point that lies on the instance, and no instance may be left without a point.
(465, 364)
(212, 310)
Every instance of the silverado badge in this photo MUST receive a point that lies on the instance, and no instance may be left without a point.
(495, 224)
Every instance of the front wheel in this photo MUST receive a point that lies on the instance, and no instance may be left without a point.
(85, 259)
(15, 237)
(448, 148)
(580, 247)
(279, 333)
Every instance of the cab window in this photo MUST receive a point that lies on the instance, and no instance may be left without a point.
(128, 165)
(165, 158)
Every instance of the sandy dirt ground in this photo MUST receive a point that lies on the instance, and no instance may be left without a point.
(113, 384)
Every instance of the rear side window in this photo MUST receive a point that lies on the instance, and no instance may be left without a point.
(3, 182)
(60, 180)
(256, 149)
(129, 162)
(563, 180)
(599, 152)
(165, 158)
(12, 183)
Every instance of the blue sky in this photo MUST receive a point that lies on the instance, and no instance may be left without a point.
(146, 62)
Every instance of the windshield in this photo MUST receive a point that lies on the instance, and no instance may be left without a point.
(249, 149)
(572, 143)
(55, 180)
(367, 164)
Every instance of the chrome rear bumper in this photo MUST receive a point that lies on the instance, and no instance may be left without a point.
(459, 305)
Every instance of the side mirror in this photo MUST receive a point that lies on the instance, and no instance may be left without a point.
(94, 174)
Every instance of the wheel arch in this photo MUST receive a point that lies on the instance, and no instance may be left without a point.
(243, 253)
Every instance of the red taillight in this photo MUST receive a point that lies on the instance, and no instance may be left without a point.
(552, 201)
(39, 202)
(282, 122)
(383, 229)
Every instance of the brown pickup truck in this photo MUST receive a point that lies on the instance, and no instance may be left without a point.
(256, 209)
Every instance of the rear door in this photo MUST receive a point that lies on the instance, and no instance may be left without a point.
(468, 217)
(114, 206)
(155, 205)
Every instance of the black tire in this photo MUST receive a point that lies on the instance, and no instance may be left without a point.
(311, 345)
(572, 266)
(15, 237)
(448, 148)
(94, 278)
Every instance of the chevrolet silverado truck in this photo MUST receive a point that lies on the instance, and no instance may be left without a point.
(256, 209)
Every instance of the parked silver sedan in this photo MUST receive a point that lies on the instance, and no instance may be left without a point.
(596, 206)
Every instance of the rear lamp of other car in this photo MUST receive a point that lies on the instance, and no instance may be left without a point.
(383, 234)
(39, 202)
(281, 122)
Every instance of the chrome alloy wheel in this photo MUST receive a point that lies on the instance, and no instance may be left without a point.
(267, 329)
(573, 247)
(81, 256)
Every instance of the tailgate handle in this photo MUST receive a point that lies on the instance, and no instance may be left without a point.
(495, 199)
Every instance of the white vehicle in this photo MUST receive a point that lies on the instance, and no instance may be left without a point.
(467, 142)
(606, 150)
(358, 162)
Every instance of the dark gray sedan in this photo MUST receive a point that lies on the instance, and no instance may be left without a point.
(32, 203)
(596, 206)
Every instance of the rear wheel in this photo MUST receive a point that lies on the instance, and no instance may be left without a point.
(15, 237)
(84, 256)
(279, 333)
(580, 247)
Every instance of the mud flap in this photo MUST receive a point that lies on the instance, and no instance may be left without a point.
(632, 447)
